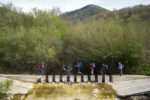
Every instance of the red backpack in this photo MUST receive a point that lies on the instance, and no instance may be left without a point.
(41, 65)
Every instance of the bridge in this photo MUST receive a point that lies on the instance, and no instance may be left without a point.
(60, 78)
(125, 85)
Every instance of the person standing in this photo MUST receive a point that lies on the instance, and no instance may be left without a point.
(92, 68)
(103, 72)
(104, 69)
(41, 68)
(120, 67)
(79, 65)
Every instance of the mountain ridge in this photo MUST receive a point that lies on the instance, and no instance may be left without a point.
(84, 13)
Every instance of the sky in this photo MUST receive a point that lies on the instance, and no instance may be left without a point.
(69, 5)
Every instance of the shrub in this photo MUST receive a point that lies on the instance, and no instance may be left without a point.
(4, 87)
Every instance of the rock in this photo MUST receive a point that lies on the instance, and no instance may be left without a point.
(94, 95)
(95, 91)
(131, 87)
(19, 87)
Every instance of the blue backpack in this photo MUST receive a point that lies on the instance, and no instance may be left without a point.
(80, 64)
(93, 65)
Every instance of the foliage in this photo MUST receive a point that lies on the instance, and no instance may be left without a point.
(27, 39)
(112, 37)
(105, 42)
(4, 87)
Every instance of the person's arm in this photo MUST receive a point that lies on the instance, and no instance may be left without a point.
(101, 70)
(76, 65)
(122, 66)
(106, 66)
(118, 66)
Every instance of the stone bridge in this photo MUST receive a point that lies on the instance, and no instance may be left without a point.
(125, 85)
(74, 78)
(60, 78)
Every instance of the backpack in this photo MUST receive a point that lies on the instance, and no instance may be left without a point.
(80, 64)
(42, 65)
(106, 67)
(93, 65)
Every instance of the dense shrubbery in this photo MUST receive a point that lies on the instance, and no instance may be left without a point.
(106, 41)
(27, 39)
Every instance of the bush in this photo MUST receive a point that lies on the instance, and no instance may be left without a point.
(4, 87)
(144, 69)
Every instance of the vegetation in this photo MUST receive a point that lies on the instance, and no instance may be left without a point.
(115, 36)
(27, 39)
(4, 87)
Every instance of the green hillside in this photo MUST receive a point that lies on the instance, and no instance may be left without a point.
(84, 13)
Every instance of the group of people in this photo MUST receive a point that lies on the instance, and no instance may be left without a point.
(103, 69)
(79, 65)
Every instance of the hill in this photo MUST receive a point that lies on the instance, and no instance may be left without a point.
(139, 11)
(84, 13)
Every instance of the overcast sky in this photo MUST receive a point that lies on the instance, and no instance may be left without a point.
(69, 5)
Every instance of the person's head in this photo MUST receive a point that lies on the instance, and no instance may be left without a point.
(119, 62)
(103, 64)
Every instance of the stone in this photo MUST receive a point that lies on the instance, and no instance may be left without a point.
(85, 78)
(72, 78)
(57, 78)
(64, 78)
(50, 78)
(92, 78)
(78, 78)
